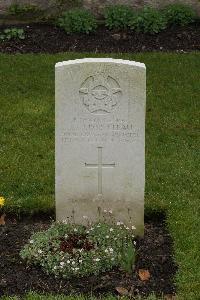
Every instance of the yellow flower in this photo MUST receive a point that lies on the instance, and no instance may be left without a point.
(2, 201)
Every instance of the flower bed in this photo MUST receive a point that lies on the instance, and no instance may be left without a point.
(41, 38)
(154, 253)
(67, 250)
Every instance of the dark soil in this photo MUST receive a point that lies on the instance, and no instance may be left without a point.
(154, 253)
(43, 38)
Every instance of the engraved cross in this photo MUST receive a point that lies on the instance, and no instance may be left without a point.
(100, 166)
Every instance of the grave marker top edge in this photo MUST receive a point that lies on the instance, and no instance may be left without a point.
(100, 60)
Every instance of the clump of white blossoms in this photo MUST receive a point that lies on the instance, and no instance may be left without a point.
(67, 250)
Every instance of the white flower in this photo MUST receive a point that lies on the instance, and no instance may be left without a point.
(31, 241)
(111, 250)
(91, 228)
(133, 227)
(64, 222)
(85, 217)
(112, 258)
(118, 223)
(87, 231)
(107, 236)
(68, 261)
(73, 263)
(106, 250)
(134, 242)
(76, 269)
(81, 250)
(40, 251)
(96, 259)
(75, 229)
(111, 229)
(110, 211)
(105, 211)
(62, 263)
(66, 236)
(55, 268)
(80, 260)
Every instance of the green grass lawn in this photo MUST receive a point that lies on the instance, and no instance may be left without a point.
(172, 144)
(34, 296)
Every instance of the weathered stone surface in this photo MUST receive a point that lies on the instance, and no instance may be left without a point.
(100, 135)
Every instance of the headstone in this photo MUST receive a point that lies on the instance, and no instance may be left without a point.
(100, 141)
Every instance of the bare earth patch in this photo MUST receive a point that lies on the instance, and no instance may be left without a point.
(43, 38)
(153, 272)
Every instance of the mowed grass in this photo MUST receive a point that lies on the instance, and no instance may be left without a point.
(34, 296)
(172, 144)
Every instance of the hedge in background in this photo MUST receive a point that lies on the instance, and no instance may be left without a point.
(148, 20)
(179, 14)
(118, 16)
(77, 21)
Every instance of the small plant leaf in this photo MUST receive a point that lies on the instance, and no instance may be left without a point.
(144, 275)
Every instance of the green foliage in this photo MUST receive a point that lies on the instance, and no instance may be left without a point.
(15, 207)
(12, 33)
(128, 258)
(23, 9)
(179, 14)
(67, 250)
(36, 296)
(148, 20)
(118, 16)
(77, 21)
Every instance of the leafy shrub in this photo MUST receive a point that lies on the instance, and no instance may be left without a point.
(179, 14)
(67, 250)
(148, 20)
(77, 21)
(118, 16)
(12, 33)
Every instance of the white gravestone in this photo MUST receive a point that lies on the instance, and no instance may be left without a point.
(100, 141)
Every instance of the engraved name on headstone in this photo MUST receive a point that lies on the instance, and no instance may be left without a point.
(100, 141)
